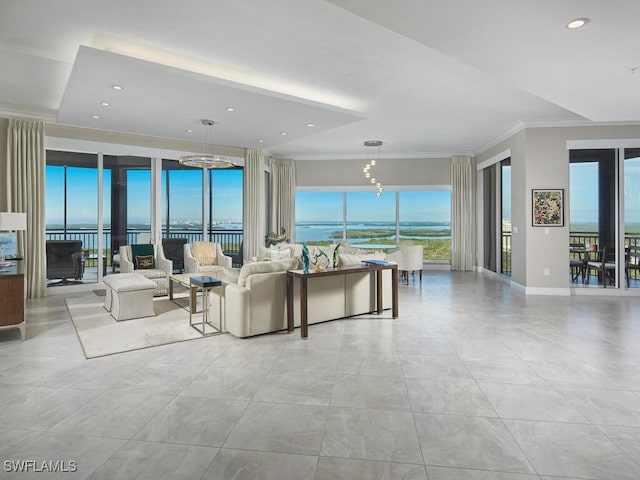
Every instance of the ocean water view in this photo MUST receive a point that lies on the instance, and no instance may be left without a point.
(365, 232)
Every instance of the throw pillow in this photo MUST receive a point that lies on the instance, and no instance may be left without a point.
(141, 250)
(279, 254)
(205, 253)
(144, 262)
(263, 254)
(249, 269)
(321, 256)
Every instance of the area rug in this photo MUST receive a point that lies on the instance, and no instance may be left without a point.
(100, 334)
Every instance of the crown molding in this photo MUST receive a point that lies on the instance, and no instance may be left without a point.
(10, 110)
(519, 126)
(363, 156)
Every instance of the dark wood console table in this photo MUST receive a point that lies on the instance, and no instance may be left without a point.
(12, 297)
(304, 277)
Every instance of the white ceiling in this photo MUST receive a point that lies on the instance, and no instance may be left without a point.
(428, 78)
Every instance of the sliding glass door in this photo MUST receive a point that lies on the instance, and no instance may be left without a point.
(593, 218)
(632, 217)
(71, 218)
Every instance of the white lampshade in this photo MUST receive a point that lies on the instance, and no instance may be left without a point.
(10, 221)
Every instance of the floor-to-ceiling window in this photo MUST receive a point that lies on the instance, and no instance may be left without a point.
(496, 208)
(367, 221)
(425, 218)
(225, 208)
(592, 216)
(71, 213)
(130, 198)
(181, 201)
(128, 215)
(631, 185)
(489, 217)
(319, 217)
(505, 209)
(371, 221)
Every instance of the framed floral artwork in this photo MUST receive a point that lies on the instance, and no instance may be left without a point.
(548, 208)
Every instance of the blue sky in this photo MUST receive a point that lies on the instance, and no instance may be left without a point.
(432, 205)
(186, 191)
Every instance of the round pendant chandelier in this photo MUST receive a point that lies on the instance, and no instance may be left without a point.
(206, 160)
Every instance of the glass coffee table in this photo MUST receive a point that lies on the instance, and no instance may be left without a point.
(184, 279)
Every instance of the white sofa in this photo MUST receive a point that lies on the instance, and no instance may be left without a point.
(257, 302)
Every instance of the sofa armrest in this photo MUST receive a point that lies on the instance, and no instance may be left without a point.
(126, 265)
(164, 264)
(223, 260)
(191, 265)
(237, 310)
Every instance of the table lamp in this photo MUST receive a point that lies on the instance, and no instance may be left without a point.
(11, 221)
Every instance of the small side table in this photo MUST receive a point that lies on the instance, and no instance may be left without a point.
(12, 295)
(205, 285)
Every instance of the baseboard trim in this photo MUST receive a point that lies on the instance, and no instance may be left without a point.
(558, 292)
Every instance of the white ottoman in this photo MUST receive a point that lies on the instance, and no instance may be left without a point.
(129, 296)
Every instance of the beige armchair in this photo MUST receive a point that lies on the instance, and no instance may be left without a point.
(205, 257)
(409, 259)
(160, 270)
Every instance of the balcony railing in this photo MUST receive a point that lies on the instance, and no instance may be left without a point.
(229, 240)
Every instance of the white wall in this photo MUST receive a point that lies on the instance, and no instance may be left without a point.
(540, 159)
(390, 172)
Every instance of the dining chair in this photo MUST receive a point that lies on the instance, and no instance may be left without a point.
(631, 261)
(577, 258)
(602, 266)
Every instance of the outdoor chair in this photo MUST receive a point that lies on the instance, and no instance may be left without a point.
(64, 262)
(602, 266)
(174, 251)
(631, 262)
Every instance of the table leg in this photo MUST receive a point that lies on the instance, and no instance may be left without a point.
(394, 292)
(379, 291)
(303, 308)
(170, 288)
(289, 303)
(193, 300)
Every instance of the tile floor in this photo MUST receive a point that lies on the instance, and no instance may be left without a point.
(474, 381)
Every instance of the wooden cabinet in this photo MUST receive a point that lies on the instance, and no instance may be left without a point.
(12, 298)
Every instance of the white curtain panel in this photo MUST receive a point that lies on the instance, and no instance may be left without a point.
(283, 187)
(254, 205)
(25, 191)
(463, 231)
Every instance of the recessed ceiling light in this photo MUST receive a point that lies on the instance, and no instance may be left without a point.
(189, 130)
(230, 109)
(311, 124)
(283, 133)
(105, 104)
(95, 116)
(577, 23)
(260, 141)
(117, 87)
